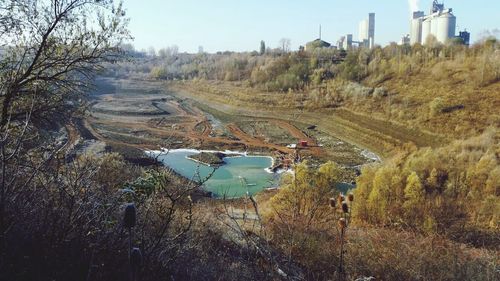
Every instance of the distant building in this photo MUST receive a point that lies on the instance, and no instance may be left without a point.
(345, 42)
(416, 27)
(340, 42)
(371, 29)
(366, 32)
(348, 42)
(440, 23)
(405, 40)
(318, 43)
(363, 30)
(465, 36)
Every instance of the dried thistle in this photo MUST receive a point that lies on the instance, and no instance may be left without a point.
(342, 223)
(332, 202)
(345, 207)
(135, 258)
(350, 197)
(340, 199)
(129, 218)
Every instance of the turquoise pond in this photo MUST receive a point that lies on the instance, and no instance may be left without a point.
(235, 178)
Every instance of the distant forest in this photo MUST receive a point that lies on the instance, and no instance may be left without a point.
(282, 70)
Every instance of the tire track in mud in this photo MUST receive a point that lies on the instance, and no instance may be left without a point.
(252, 141)
(185, 123)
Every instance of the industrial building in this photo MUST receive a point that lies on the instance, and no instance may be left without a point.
(318, 43)
(465, 36)
(366, 35)
(366, 31)
(440, 23)
(345, 42)
(405, 40)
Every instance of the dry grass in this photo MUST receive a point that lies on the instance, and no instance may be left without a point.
(411, 98)
(395, 255)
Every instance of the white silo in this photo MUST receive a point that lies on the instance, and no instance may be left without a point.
(363, 30)
(415, 31)
(416, 27)
(434, 24)
(426, 29)
(446, 23)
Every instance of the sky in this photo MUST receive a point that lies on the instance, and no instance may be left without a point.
(240, 25)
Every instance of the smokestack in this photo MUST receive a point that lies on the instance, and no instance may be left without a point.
(413, 5)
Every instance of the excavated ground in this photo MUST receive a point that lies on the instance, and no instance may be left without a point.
(131, 115)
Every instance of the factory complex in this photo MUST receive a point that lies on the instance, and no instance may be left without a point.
(438, 26)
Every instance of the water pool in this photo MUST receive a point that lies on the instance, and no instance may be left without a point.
(239, 175)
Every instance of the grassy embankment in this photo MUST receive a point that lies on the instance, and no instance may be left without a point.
(446, 97)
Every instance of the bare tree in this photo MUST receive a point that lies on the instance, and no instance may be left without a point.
(285, 45)
(151, 52)
(50, 52)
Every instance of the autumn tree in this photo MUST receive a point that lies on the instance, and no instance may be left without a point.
(414, 199)
(301, 220)
(451, 190)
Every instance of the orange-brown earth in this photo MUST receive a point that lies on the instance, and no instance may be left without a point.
(149, 121)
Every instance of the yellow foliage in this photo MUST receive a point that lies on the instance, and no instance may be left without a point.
(443, 187)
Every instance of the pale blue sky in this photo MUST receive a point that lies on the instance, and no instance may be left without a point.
(235, 25)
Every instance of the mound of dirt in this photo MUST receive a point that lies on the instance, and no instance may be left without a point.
(209, 158)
